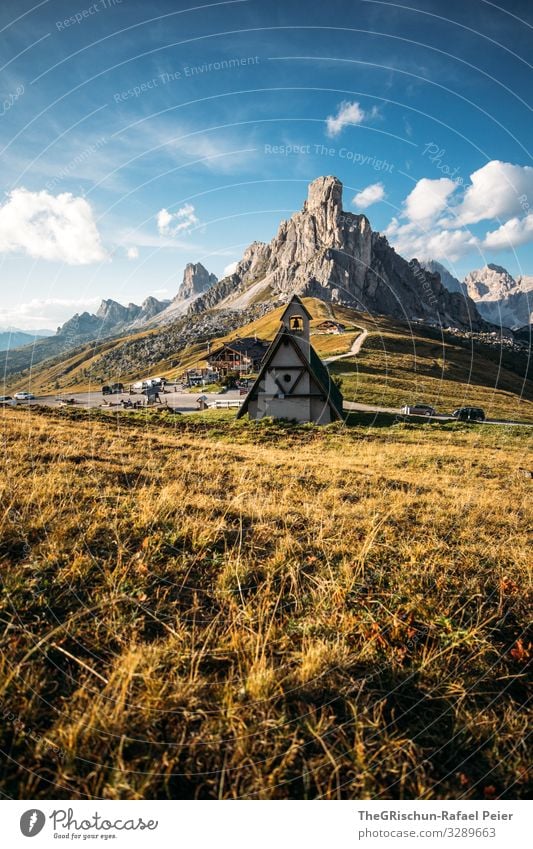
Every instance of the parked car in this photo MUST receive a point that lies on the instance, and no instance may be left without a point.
(419, 410)
(7, 401)
(469, 414)
(113, 389)
(143, 385)
(24, 396)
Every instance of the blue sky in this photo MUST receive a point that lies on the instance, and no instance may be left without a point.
(137, 137)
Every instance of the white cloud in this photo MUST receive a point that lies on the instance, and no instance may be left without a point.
(428, 199)
(170, 224)
(348, 114)
(54, 227)
(516, 231)
(449, 245)
(46, 312)
(132, 253)
(163, 220)
(158, 292)
(371, 194)
(498, 190)
(229, 269)
(412, 240)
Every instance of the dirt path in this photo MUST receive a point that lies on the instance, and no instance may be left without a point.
(354, 350)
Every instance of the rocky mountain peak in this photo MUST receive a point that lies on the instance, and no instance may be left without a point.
(112, 312)
(324, 192)
(492, 280)
(196, 280)
(325, 252)
(151, 307)
(79, 326)
(499, 297)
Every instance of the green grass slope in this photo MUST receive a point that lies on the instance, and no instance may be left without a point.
(398, 364)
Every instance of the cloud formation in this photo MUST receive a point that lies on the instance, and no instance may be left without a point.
(172, 223)
(229, 269)
(497, 190)
(371, 194)
(348, 114)
(46, 312)
(435, 217)
(53, 227)
(515, 232)
(428, 199)
(415, 240)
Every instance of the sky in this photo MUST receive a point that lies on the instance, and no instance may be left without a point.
(136, 137)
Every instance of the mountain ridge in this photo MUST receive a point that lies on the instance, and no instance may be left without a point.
(326, 252)
(321, 251)
(12, 337)
(499, 297)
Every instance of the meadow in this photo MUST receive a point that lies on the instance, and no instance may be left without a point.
(394, 369)
(194, 607)
(398, 364)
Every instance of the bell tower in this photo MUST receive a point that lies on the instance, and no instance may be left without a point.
(295, 320)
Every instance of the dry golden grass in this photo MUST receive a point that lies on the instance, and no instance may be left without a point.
(208, 608)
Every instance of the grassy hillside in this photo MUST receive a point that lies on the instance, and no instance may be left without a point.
(94, 362)
(198, 607)
(402, 364)
(40, 353)
(398, 363)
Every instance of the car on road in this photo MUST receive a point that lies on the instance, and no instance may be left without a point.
(24, 396)
(419, 410)
(113, 389)
(7, 401)
(469, 414)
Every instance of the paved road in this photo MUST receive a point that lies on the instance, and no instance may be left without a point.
(440, 417)
(185, 402)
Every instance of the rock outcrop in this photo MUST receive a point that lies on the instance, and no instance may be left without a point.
(500, 298)
(332, 254)
(81, 326)
(151, 307)
(113, 313)
(492, 280)
(196, 280)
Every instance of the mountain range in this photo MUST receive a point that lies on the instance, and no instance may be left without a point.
(322, 251)
(112, 317)
(499, 297)
(13, 337)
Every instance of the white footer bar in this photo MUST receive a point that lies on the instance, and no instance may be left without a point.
(267, 824)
